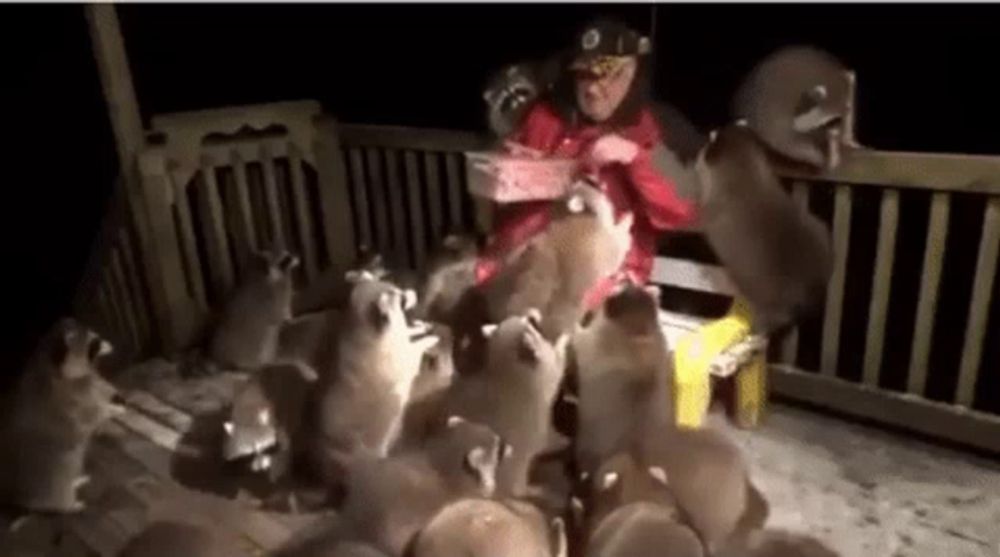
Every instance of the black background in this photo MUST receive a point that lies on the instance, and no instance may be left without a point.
(923, 84)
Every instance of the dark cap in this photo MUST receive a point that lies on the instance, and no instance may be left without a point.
(603, 43)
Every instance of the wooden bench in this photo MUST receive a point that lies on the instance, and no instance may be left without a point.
(737, 372)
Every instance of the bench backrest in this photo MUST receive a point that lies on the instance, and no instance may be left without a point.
(692, 275)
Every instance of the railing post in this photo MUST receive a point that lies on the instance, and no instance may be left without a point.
(338, 223)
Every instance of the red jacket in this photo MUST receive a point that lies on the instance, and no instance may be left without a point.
(637, 187)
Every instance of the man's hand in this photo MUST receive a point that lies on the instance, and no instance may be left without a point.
(613, 148)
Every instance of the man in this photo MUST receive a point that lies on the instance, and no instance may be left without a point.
(600, 117)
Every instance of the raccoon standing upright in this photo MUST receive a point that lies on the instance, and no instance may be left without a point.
(51, 417)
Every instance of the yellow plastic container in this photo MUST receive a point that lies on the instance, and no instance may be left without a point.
(692, 357)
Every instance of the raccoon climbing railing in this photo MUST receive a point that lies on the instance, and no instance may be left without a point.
(220, 182)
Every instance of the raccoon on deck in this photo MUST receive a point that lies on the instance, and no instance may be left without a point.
(581, 246)
(623, 371)
(513, 394)
(50, 418)
(246, 334)
(358, 410)
(632, 513)
(490, 528)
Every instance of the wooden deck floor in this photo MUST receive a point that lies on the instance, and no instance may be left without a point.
(865, 492)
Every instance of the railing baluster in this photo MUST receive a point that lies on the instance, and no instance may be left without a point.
(979, 308)
(929, 282)
(303, 216)
(415, 194)
(835, 291)
(881, 282)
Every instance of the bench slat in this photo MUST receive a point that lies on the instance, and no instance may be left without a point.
(691, 275)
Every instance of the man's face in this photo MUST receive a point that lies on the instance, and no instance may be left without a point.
(598, 96)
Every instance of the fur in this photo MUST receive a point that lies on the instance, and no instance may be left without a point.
(390, 499)
(632, 513)
(582, 245)
(490, 528)
(710, 481)
(513, 394)
(359, 409)
(623, 372)
(246, 335)
(778, 255)
(796, 100)
(50, 418)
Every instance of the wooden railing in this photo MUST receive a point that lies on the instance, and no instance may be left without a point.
(211, 192)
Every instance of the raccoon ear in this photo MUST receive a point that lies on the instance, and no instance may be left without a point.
(742, 122)
(454, 421)
(576, 509)
(608, 480)
(658, 474)
(712, 136)
(562, 346)
(575, 204)
(488, 330)
(288, 262)
(264, 417)
(818, 93)
(506, 450)
(476, 459)
(384, 304)
(653, 290)
(409, 299)
(97, 347)
(229, 428)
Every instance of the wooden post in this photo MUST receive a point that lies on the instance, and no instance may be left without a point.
(116, 80)
(126, 123)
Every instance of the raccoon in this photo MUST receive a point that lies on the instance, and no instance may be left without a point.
(450, 273)
(796, 100)
(490, 528)
(582, 245)
(778, 255)
(514, 394)
(511, 92)
(710, 481)
(623, 371)
(437, 370)
(359, 410)
(633, 514)
(266, 416)
(163, 538)
(777, 543)
(246, 335)
(390, 499)
(50, 418)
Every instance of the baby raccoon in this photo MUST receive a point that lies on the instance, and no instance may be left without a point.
(51, 417)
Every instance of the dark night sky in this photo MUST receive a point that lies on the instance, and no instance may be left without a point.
(922, 86)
